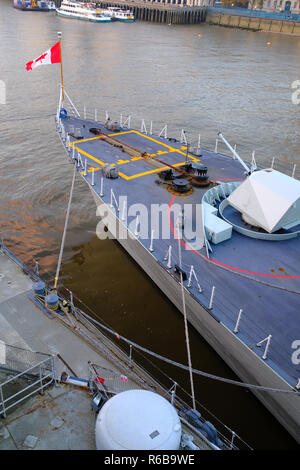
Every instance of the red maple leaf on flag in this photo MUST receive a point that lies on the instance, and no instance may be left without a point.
(41, 57)
(29, 65)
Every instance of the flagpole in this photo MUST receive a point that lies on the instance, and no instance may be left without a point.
(59, 34)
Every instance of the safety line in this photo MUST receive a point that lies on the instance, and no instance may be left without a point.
(182, 366)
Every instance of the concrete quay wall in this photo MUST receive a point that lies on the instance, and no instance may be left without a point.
(254, 23)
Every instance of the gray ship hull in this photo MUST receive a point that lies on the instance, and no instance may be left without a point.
(239, 357)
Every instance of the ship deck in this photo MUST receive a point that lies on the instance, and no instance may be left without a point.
(260, 277)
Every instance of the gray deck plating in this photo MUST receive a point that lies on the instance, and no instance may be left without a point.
(260, 277)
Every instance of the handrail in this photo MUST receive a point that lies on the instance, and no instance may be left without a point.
(41, 380)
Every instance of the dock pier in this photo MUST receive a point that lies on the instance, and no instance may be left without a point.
(160, 12)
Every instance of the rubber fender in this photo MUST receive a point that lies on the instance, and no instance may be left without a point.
(211, 433)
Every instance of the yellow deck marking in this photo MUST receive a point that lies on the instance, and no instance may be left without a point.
(100, 137)
(91, 169)
(122, 162)
(148, 172)
(90, 156)
(172, 149)
(84, 140)
(153, 140)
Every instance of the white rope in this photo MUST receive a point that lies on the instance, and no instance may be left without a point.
(65, 230)
(186, 324)
(182, 366)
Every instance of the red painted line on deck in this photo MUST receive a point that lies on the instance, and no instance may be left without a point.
(218, 262)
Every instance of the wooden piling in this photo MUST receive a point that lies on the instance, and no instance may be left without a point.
(158, 12)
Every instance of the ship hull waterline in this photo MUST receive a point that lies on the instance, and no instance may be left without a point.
(244, 362)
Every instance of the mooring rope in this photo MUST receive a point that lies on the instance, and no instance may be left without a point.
(65, 230)
(185, 323)
(182, 366)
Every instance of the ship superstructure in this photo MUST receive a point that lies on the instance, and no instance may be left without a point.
(81, 11)
(118, 14)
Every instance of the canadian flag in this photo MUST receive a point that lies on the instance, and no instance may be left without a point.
(51, 56)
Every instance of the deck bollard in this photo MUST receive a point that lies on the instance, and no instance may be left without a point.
(151, 127)
(68, 143)
(113, 198)
(168, 257)
(36, 268)
(169, 265)
(127, 122)
(79, 160)
(143, 127)
(130, 355)
(272, 164)
(151, 242)
(173, 393)
(267, 339)
(232, 439)
(137, 221)
(124, 210)
(190, 276)
(211, 298)
(164, 131)
(192, 273)
(236, 328)
(183, 137)
(198, 148)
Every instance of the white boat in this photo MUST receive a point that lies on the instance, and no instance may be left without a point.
(117, 14)
(81, 11)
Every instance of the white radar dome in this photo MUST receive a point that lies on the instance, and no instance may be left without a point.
(137, 420)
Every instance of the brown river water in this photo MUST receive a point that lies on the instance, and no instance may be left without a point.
(201, 78)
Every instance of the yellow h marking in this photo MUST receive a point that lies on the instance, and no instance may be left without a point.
(160, 152)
